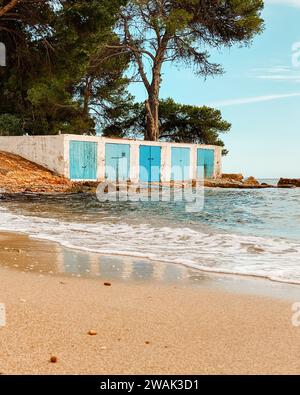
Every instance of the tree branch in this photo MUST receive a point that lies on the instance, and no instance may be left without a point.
(136, 53)
(9, 6)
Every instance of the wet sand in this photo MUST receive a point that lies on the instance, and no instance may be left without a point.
(154, 318)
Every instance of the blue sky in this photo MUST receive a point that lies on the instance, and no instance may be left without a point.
(259, 94)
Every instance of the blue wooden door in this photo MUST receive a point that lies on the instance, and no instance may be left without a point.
(205, 163)
(117, 162)
(180, 164)
(150, 162)
(83, 160)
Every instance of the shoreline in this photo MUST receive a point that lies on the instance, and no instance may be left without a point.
(152, 319)
(84, 188)
(115, 255)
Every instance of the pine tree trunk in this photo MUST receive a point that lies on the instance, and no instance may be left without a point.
(86, 97)
(152, 106)
(152, 119)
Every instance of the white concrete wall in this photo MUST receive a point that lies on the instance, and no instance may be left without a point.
(52, 152)
(47, 151)
(218, 162)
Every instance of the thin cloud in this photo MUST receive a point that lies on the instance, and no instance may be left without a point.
(277, 73)
(278, 77)
(250, 100)
(277, 69)
(272, 69)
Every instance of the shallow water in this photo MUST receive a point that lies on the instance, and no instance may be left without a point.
(248, 232)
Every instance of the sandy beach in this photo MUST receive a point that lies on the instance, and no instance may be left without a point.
(143, 326)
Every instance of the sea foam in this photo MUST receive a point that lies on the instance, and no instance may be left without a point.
(203, 249)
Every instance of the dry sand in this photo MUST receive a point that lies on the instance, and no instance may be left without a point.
(142, 327)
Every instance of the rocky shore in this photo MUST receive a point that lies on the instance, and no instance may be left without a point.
(20, 176)
(236, 181)
(289, 183)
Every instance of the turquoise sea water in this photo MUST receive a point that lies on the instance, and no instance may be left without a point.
(247, 232)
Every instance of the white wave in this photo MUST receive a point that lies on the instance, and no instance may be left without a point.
(276, 259)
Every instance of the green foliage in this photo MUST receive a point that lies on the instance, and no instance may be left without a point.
(178, 123)
(191, 124)
(53, 52)
(66, 64)
(182, 31)
(9, 125)
(125, 119)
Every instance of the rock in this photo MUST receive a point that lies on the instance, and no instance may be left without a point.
(265, 185)
(53, 359)
(18, 175)
(4, 172)
(92, 332)
(287, 186)
(251, 181)
(234, 177)
(222, 183)
(107, 284)
(226, 183)
(288, 183)
(147, 342)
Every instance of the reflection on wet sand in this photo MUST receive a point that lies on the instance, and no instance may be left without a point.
(19, 252)
(22, 253)
(76, 263)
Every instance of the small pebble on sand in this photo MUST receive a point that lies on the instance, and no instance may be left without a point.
(107, 284)
(92, 332)
(53, 359)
